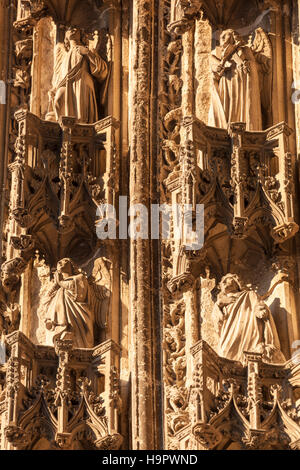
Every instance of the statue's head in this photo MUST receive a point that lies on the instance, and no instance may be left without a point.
(230, 283)
(73, 34)
(229, 36)
(65, 265)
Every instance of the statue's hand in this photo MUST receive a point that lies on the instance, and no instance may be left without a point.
(57, 278)
(219, 72)
(82, 50)
(261, 311)
(49, 324)
(246, 68)
(228, 52)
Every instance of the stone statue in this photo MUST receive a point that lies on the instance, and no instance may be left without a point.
(77, 305)
(68, 309)
(242, 81)
(245, 323)
(76, 66)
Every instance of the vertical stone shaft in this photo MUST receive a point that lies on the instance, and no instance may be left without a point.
(143, 407)
(5, 70)
(279, 98)
(188, 73)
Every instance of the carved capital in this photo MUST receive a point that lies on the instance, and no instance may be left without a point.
(67, 123)
(239, 227)
(22, 243)
(110, 442)
(237, 128)
(16, 436)
(22, 217)
(11, 271)
(183, 15)
(64, 345)
(252, 357)
(63, 440)
(284, 265)
(66, 224)
(181, 283)
(207, 436)
(24, 49)
(254, 439)
(283, 232)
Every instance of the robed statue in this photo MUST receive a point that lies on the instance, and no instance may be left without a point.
(242, 82)
(74, 305)
(245, 323)
(76, 68)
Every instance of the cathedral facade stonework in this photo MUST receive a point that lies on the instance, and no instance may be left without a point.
(115, 332)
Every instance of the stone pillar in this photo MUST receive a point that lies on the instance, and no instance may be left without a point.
(6, 18)
(296, 69)
(192, 330)
(142, 355)
(202, 45)
(288, 47)
(44, 34)
(278, 104)
(188, 72)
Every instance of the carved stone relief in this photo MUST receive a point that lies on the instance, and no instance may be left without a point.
(182, 102)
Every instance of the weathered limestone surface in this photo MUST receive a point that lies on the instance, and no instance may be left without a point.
(122, 339)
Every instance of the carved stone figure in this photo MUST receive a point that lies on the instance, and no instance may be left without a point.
(76, 66)
(241, 76)
(245, 323)
(68, 308)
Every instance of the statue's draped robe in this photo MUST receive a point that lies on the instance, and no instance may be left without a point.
(236, 97)
(240, 330)
(74, 85)
(70, 312)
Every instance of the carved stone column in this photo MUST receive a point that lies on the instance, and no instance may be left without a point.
(254, 389)
(63, 350)
(191, 326)
(6, 18)
(279, 105)
(65, 172)
(141, 303)
(238, 179)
